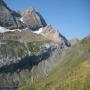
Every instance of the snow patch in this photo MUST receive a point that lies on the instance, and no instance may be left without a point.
(38, 31)
(21, 19)
(16, 30)
(3, 30)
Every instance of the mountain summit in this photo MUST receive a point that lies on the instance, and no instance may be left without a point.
(29, 48)
(13, 20)
(33, 19)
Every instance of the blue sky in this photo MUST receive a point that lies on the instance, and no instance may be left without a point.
(70, 17)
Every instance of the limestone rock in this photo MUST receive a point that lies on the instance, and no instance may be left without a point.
(32, 19)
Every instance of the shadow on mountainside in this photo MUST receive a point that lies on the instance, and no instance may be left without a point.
(27, 62)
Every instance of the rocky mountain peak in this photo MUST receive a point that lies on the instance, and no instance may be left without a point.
(12, 20)
(53, 34)
(30, 52)
(31, 9)
(33, 19)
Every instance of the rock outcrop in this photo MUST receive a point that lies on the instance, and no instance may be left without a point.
(9, 18)
(32, 19)
(53, 34)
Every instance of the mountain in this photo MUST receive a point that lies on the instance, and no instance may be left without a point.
(29, 48)
(32, 19)
(36, 56)
(14, 20)
(9, 18)
(26, 56)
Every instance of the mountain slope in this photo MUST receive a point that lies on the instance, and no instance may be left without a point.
(32, 19)
(9, 18)
(13, 20)
(73, 72)
(29, 48)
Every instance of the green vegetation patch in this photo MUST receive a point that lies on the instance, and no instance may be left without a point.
(12, 48)
(35, 46)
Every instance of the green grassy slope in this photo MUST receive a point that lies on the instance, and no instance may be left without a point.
(73, 73)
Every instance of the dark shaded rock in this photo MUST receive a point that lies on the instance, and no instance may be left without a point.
(33, 19)
(9, 18)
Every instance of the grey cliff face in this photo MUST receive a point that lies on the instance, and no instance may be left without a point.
(9, 18)
(33, 19)
(53, 34)
(25, 55)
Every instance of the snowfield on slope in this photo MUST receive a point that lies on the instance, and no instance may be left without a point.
(38, 31)
(3, 30)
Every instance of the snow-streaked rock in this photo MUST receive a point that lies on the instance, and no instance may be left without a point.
(52, 34)
(3, 30)
(38, 31)
(33, 19)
